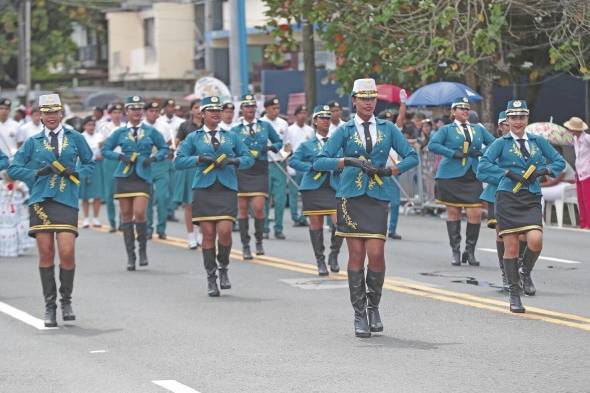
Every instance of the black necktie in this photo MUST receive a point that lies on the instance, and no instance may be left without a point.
(466, 132)
(135, 132)
(523, 149)
(325, 139)
(251, 128)
(368, 140)
(214, 140)
(55, 143)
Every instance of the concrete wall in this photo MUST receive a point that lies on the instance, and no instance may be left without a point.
(125, 34)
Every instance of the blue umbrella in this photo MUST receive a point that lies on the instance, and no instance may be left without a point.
(442, 94)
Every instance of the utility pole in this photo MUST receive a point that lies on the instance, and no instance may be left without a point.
(209, 63)
(309, 64)
(24, 48)
(238, 49)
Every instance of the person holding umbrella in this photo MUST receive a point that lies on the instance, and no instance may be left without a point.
(515, 163)
(461, 144)
(360, 148)
(576, 126)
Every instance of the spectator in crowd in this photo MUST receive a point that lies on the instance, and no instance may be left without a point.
(577, 126)
(31, 128)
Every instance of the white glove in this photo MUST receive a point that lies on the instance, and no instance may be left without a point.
(403, 96)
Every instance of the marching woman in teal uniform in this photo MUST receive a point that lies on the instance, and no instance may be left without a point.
(515, 163)
(460, 143)
(48, 161)
(133, 177)
(183, 189)
(217, 154)
(260, 137)
(318, 191)
(363, 194)
(91, 187)
(489, 195)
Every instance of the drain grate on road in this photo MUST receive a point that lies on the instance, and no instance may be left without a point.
(316, 283)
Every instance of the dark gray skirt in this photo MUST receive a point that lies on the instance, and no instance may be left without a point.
(520, 212)
(214, 203)
(461, 191)
(131, 186)
(362, 217)
(319, 202)
(492, 222)
(253, 181)
(51, 216)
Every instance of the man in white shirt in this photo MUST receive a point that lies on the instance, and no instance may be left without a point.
(31, 128)
(296, 134)
(276, 170)
(172, 122)
(8, 129)
(335, 121)
(161, 174)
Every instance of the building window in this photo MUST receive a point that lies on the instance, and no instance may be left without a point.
(149, 40)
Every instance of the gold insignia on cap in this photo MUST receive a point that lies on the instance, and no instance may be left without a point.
(135, 98)
(154, 104)
(170, 102)
(465, 99)
(326, 108)
(275, 101)
(248, 97)
(517, 104)
(336, 104)
(214, 99)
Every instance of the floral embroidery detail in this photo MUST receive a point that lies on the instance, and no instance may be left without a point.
(379, 137)
(41, 214)
(357, 139)
(347, 219)
(52, 181)
(47, 146)
(359, 180)
(221, 139)
(62, 184)
(515, 150)
(371, 183)
(534, 149)
(65, 143)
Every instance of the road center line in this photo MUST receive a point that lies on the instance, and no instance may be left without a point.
(552, 259)
(174, 386)
(23, 316)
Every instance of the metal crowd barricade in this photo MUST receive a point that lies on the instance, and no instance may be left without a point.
(417, 185)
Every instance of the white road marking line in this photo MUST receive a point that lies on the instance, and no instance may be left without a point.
(560, 260)
(23, 316)
(174, 386)
(99, 351)
(571, 229)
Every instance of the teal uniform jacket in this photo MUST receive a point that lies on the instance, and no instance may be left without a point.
(3, 161)
(263, 132)
(37, 153)
(147, 138)
(353, 181)
(448, 140)
(489, 193)
(302, 161)
(504, 154)
(198, 143)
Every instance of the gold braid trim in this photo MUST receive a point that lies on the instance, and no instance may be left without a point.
(41, 214)
(62, 184)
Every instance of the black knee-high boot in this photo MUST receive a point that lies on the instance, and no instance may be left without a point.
(335, 245)
(49, 294)
(374, 290)
(317, 242)
(471, 236)
(141, 228)
(358, 298)
(66, 280)
(211, 269)
(500, 250)
(259, 235)
(243, 223)
(511, 270)
(223, 259)
(129, 238)
(522, 245)
(528, 262)
(454, 231)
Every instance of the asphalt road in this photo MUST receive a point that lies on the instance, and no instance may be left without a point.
(282, 329)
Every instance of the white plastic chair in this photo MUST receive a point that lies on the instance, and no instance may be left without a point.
(569, 198)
